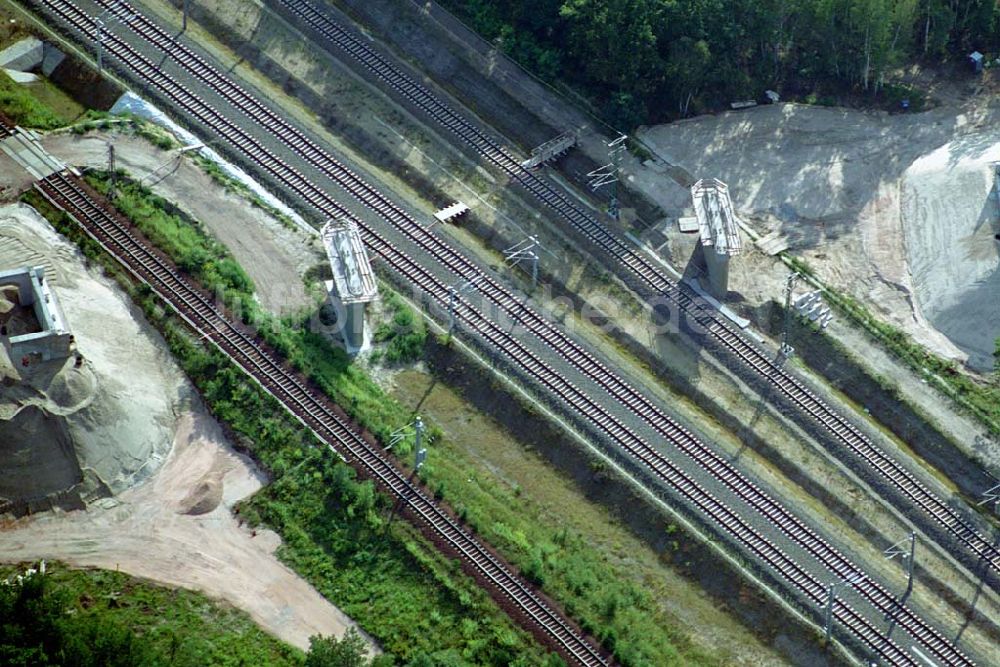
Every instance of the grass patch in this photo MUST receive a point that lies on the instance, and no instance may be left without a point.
(598, 587)
(29, 106)
(102, 120)
(53, 97)
(404, 336)
(336, 530)
(98, 617)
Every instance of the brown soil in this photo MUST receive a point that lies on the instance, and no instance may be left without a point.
(155, 532)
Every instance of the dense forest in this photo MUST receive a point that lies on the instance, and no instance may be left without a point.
(644, 61)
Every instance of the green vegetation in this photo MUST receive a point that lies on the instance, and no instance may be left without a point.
(99, 618)
(645, 61)
(191, 248)
(346, 652)
(337, 532)
(24, 107)
(404, 336)
(336, 529)
(980, 398)
(601, 593)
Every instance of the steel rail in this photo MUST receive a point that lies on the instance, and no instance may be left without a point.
(310, 408)
(841, 427)
(313, 411)
(783, 520)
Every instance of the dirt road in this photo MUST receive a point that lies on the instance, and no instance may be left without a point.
(153, 531)
(274, 256)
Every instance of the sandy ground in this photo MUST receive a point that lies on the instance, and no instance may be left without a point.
(176, 527)
(274, 256)
(153, 531)
(128, 392)
(893, 209)
(950, 213)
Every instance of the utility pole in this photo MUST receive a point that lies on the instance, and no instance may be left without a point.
(831, 594)
(101, 27)
(907, 554)
(184, 18)
(608, 174)
(112, 172)
(100, 44)
(991, 495)
(524, 250)
(459, 287)
(420, 453)
(787, 350)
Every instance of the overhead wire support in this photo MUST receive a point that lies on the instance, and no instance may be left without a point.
(608, 174)
(524, 250)
(461, 287)
(418, 429)
(991, 495)
(832, 594)
(786, 349)
(112, 172)
(906, 550)
(103, 25)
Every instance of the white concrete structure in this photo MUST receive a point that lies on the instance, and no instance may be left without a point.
(23, 55)
(20, 77)
(718, 229)
(52, 59)
(453, 211)
(24, 148)
(53, 340)
(353, 285)
(550, 150)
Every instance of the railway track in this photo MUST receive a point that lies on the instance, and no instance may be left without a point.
(658, 283)
(646, 457)
(308, 406)
(314, 411)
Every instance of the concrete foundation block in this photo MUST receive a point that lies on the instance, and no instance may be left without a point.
(21, 77)
(23, 55)
(52, 59)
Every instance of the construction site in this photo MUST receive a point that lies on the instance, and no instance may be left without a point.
(335, 314)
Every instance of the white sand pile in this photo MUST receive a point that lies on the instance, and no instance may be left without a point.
(204, 496)
(950, 216)
(832, 182)
(109, 423)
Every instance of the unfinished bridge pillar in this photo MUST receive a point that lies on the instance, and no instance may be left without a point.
(719, 231)
(353, 286)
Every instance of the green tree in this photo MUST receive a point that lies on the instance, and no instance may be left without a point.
(613, 42)
(349, 651)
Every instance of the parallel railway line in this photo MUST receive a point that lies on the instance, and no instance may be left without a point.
(314, 411)
(653, 277)
(510, 346)
(308, 406)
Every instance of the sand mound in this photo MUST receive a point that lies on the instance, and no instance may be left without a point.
(204, 497)
(8, 299)
(37, 456)
(109, 423)
(950, 213)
